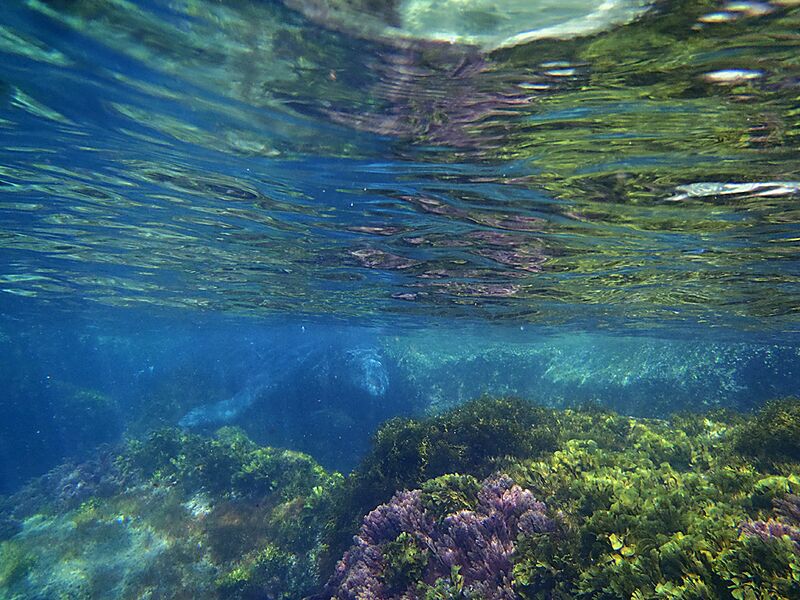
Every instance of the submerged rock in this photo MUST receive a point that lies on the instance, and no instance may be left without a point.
(192, 517)
(367, 371)
(227, 411)
(578, 504)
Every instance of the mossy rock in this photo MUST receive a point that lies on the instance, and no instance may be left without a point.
(15, 563)
(773, 433)
(267, 573)
(475, 439)
(472, 439)
(229, 463)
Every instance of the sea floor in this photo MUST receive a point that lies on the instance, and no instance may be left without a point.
(497, 499)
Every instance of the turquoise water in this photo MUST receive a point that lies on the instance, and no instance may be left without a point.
(304, 218)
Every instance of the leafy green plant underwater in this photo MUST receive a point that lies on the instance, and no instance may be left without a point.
(577, 503)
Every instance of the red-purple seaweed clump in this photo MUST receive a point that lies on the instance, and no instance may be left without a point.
(787, 523)
(471, 550)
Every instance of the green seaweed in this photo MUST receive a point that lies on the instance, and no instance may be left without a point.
(209, 516)
(15, 563)
(269, 572)
(443, 589)
(474, 439)
(406, 562)
(228, 463)
(772, 435)
(646, 508)
(654, 512)
(450, 493)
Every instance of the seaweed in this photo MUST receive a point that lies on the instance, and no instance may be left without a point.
(653, 511)
(209, 516)
(450, 493)
(403, 551)
(268, 572)
(229, 463)
(474, 439)
(772, 435)
(645, 508)
(507, 500)
(15, 563)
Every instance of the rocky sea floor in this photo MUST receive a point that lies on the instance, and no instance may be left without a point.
(497, 499)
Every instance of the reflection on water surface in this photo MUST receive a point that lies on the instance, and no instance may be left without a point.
(238, 156)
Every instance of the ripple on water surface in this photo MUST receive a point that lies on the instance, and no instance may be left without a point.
(251, 158)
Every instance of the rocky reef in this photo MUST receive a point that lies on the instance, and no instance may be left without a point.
(175, 515)
(497, 499)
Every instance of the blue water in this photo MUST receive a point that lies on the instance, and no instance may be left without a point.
(204, 202)
(295, 220)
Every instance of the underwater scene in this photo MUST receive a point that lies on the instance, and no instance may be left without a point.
(400, 299)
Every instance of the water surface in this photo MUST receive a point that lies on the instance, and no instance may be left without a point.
(237, 157)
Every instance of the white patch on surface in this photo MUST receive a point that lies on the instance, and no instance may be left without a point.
(492, 24)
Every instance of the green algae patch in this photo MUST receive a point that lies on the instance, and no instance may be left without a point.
(578, 503)
(646, 508)
(450, 493)
(14, 563)
(656, 509)
(476, 439)
(230, 463)
(269, 571)
(773, 433)
(185, 516)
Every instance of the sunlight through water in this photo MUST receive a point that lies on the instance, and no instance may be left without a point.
(399, 299)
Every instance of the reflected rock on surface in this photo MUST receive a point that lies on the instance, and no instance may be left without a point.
(482, 23)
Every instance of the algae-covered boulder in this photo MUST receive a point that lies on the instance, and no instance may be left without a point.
(496, 499)
(475, 439)
(772, 434)
(178, 516)
(414, 547)
(644, 508)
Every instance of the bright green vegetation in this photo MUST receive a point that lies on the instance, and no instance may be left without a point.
(646, 509)
(450, 493)
(652, 508)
